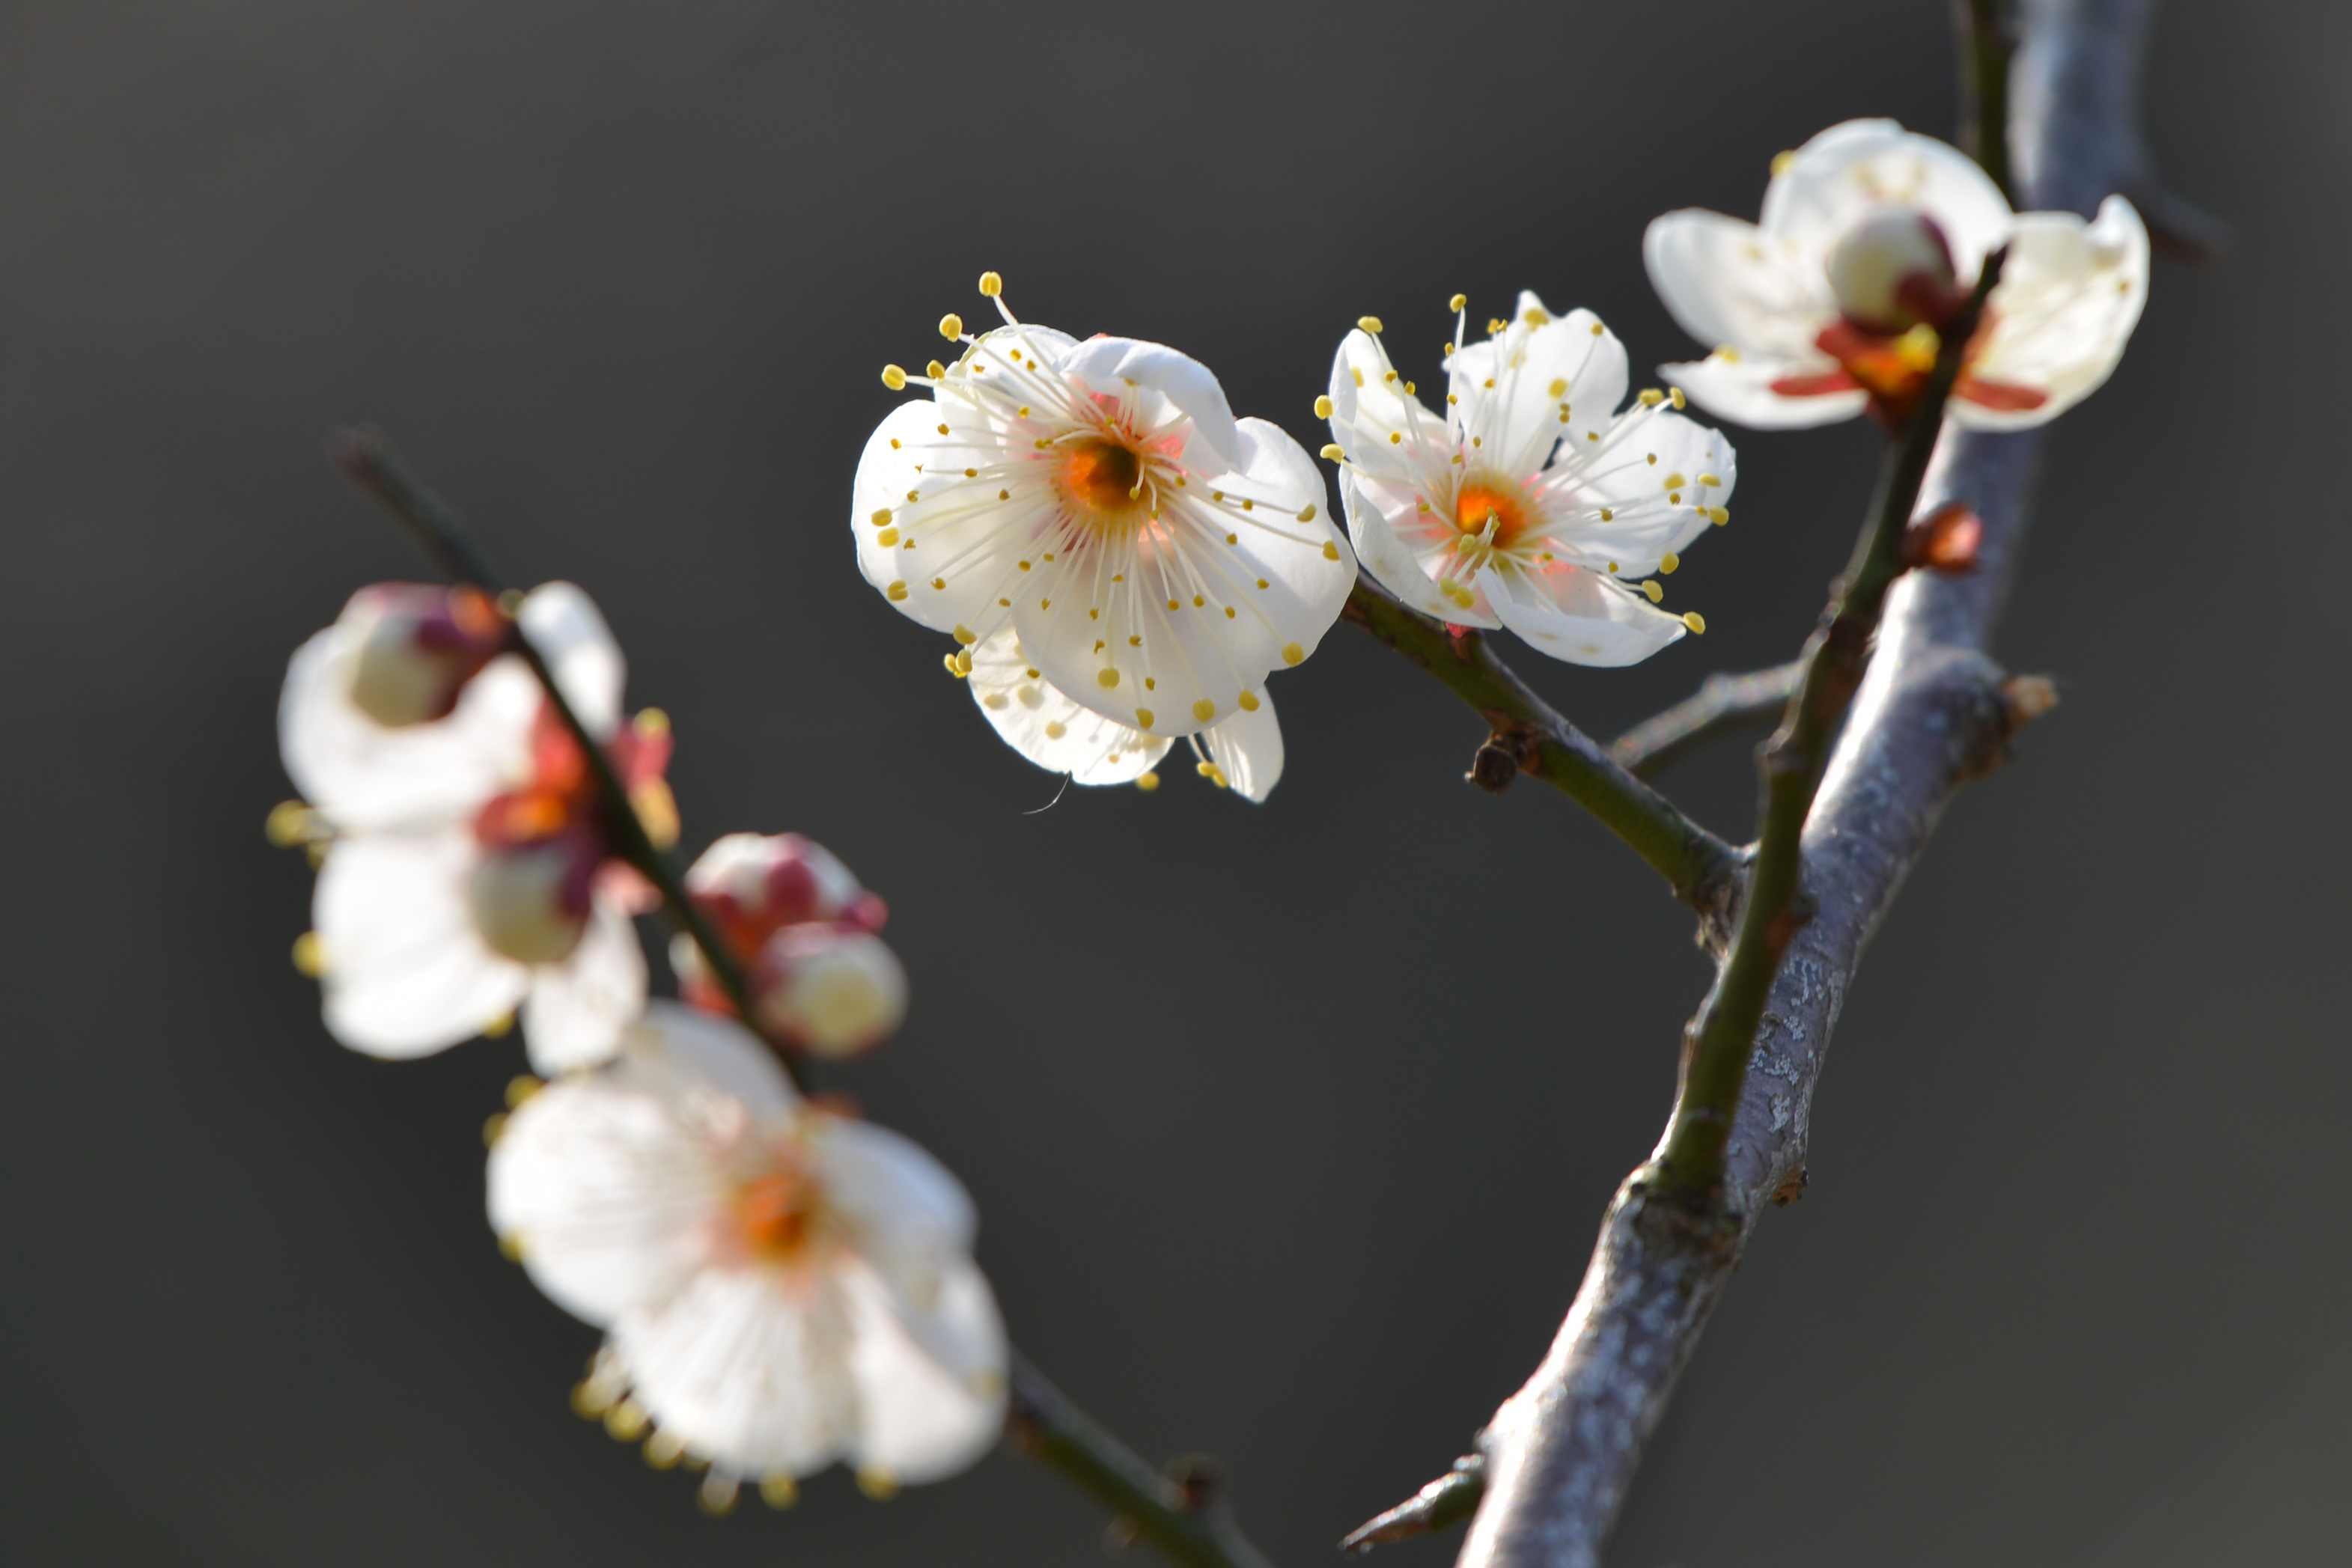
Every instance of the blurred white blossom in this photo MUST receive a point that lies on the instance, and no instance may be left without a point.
(1532, 501)
(1871, 238)
(782, 1287)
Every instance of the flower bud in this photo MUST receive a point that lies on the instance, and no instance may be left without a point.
(418, 646)
(1893, 270)
(530, 903)
(833, 990)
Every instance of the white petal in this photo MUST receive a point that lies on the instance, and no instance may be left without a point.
(362, 774)
(952, 547)
(607, 1192)
(2066, 307)
(1387, 433)
(1515, 422)
(406, 974)
(1741, 391)
(691, 1056)
(578, 1011)
(1247, 748)
(1648, 478)
(1162, 385)
(1378, 513)
(1730, 283)
(1576, 617)
(564, 625)
(1039, 721)
(903, 1211)
(931, 1385)
(1849, 169)
(746, 1370)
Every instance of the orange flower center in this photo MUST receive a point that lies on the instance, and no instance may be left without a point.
(776, 1215)
(1480, 503)
(1101, 476)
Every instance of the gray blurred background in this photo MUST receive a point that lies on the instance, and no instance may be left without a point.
(1290, 1126)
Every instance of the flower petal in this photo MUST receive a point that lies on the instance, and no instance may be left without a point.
(1162, 385)
(746, 1370)
(564, 625)
(1388, 434)
(606, 1193)
(1038, 721)
(1576, 616)
(1247, 748)
(692, 1058)
(1839, 175)
(931, 1384)
(941, 545)
(362, 775)
(578, 1011)
(904, 1212)
(1379, 513)
(1513, 386)
(1741, 391)
(1728, 283)
(2067, 302)
(406, 974)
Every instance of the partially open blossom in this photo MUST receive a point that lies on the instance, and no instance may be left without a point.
(417, 646)
(1156, 557)
(1532, 502)
(1872, 240)
(1242, 751)
(468, 866)
(782, 1287)
(805, 930)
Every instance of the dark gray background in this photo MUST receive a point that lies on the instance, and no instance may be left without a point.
(1290, 1125)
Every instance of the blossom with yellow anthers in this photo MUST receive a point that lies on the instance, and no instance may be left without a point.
(465, 864)
(782, 1289)
(1872, 239)
(1150, 552)
(1532, 502)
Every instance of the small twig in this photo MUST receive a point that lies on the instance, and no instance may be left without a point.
(1527, 737)
(1184, 1515)
(367, 458)
(1190, 1522)
(1441, 1505)
(1987, 39)
(1722, 703)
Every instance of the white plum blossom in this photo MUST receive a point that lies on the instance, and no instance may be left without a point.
(1532, 501)
(1155, 556)
(1871, 238)
(465, 865)
(781, 1287)
(821, 980)
(1241, 752)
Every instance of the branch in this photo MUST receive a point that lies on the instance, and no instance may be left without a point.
(1185, 1516)
(1987, 39)
(1527, 736)
(1932, 712)
(1722, 703)
(1441, 1505)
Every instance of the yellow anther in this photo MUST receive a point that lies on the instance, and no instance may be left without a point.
(291, 822)
(1135, 642)
(935, 369)
(896, 593)
(963, 635)
(499, 1027)
(1357, 374)
(591, 1399)
(1651, 588)
(1004, 495)
(1331, 551)
(1718, 515)
(1213, 774)
(950, 326)
(1249, 702)
(781, 1492)
(1424, 506)
(1333, 452)
(1173, 605)
(1307, 513)
(1105, 678)
(1710, 479)
(492, 1130)
(1669, 563)
(663, 1449)
(715, 1496)
(1371, 324)
(1323, 408)
(310, 956)
(938, 582)
(1695, 621)
(520, 1088)
(1056, 729)
(1674, 481)
(1143, 718)
(1496, 324)
(1535, 317)
(1204, 710)
(1558, 387)
(949, 660)
(1676, 393)
(886, 537)
(627, 1421)
(1293, 654)
(943, 430)
(1230, 538)
(894, 378)
(991, 284)
(1198, 601)
(1780, 162)
(1389, 377)
(1396, 437)
(1147, 782)
(1408, 389)
(964, 661)
(1457, 302)
(881, 519)
(1651, 397)
(1597, 328)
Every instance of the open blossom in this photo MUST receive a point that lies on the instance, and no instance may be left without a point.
(1532, 502)
(1155, 556)
(469, 866)
(1241, 752)
(781, 1287)
(1871, 238)
(820, 977)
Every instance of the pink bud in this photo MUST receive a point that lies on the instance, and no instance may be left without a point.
(833, 990)
(1893, 270)
(418, 646)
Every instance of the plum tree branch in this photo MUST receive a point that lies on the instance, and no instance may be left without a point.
(1186, 1519)
(1525, 736)
(1932, 712)
(1722, 703)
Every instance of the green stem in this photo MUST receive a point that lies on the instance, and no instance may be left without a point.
(1987, 39)
(1721, 703)
(1720, 1040)
(1529, 738)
